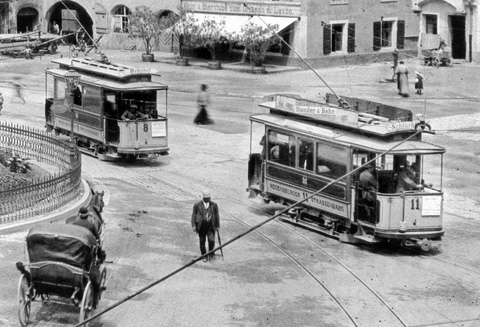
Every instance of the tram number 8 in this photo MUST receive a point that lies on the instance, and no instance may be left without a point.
(415, 204)
(145, 128)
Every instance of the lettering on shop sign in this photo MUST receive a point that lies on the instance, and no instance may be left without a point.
(238, 8)
(318, 202)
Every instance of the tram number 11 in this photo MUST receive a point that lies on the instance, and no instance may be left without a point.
(415, 204)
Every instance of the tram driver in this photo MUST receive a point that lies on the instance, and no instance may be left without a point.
(369, 184)
(407, 180)
(133, 113)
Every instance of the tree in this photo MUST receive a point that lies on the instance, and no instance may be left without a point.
(211, 33)
(149, 26)
(185, 30)
(257, 40)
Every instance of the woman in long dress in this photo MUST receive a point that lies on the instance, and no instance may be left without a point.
(402, 79)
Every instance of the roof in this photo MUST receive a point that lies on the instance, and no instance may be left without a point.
(65, 243)
(112, 84)
(385, 124)
(78, 233)
(113, 70)
(373, 144)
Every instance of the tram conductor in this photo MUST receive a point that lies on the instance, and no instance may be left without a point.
(205, 222)
(369, 184)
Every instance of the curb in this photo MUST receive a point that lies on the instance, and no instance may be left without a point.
(68, 210)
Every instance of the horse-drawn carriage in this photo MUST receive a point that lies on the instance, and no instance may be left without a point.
(435, 51)
(65, 263)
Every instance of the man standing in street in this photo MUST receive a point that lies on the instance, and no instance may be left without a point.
(205, 222)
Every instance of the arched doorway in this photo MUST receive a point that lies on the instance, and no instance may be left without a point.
(27, 18)
(70, 17)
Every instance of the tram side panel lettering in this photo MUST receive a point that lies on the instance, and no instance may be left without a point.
(318, 202)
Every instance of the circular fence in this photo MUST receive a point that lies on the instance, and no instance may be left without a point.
(41, 195)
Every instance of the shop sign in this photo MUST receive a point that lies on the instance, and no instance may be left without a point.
(267, 9)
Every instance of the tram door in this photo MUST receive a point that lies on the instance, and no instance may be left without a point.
(112, 131)
(366, 204)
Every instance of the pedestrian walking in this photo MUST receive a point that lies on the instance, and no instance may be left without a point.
(419, 82)
(402, 79)
(205, 222)
(203, 100)
(18, 91)
(1, 101)
(395, 63)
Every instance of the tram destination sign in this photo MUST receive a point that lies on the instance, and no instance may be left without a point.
(316, 201)
(317, 110)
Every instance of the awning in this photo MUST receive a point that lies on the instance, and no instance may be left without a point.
(234, 23)
(281, 22)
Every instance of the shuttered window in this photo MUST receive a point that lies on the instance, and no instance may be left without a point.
(351, 38)
(377, 37)
(400, 34)
(327, 39)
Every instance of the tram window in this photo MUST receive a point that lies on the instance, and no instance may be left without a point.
(305, 155)
(77, 96)
(60, 89)
(331, 160)
(281, 148)
(92, 99)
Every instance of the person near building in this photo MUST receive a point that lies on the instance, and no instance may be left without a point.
(205, 222)
(402, 79)
(55, 28)
(203, 100)
(395, 64)
(419, 82)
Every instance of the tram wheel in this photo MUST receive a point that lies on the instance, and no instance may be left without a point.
(24, 301)
(86, 306)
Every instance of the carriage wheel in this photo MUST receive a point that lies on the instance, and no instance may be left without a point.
(103, 281)
(53, 47)
(86, 306)
(24, 301)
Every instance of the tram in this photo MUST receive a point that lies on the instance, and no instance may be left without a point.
(94, 112)
(312, 156)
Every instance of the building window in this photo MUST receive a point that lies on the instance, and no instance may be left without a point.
(388, 34)
(431, 24)
(121, 22)
(338, 37)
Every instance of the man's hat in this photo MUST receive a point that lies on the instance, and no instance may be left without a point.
(206, 194)
(83, 212)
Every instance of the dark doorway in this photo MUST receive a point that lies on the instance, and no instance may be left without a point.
(27, 18)
(459, 44)
(70, 16)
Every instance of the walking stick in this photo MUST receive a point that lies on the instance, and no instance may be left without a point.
(220, 243)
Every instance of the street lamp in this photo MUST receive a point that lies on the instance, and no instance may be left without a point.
(72, 78)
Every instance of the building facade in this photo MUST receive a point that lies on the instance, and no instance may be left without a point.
(100, 18)
(324, 32)
(327, 32)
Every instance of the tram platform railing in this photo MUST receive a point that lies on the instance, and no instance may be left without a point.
(39, 195)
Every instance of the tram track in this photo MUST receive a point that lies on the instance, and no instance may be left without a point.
(150, 182)
(183, 184)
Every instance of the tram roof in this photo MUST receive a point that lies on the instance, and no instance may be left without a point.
(112, 84)
(345, 137)
(111, 70)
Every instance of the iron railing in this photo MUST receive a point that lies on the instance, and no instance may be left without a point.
(42, 195)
